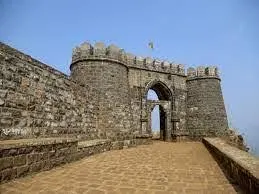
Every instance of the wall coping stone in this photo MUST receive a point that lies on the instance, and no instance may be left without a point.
(241, 159)
(244, 159)
(144, 136)
(9, 144)
(90, 143)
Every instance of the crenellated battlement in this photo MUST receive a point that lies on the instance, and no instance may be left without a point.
(101, 52)
(203, 72)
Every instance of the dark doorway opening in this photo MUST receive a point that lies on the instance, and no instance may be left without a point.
(162, 114)
(158, 117)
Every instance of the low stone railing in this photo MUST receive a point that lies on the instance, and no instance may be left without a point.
(91, 147)
(144, 139)
(239, 165)
(26, 156)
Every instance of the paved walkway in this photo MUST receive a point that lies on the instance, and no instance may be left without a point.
(158, 168)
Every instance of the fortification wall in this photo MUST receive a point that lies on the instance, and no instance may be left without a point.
(143, 73)
(240, 167)
(206, 114)
(99, 68)
(99, 51)
(141, 80)
(38, 101)
(129, 77)
(105, 97)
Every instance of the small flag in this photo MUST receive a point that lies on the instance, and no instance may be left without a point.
(151, 45)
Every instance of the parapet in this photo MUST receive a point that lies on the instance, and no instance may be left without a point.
(101, 52)
(203, 72)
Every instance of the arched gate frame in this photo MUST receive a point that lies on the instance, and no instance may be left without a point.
(166, 101)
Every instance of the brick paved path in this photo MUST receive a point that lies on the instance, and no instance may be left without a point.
(158, 168)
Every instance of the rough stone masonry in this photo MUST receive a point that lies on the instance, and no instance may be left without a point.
(105, 97)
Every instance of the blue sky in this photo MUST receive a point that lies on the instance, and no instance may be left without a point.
(222, 32)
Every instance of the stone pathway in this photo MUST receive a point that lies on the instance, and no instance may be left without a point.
(158, 168)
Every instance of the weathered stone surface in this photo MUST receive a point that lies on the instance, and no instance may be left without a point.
(22, 170)
(205, 108)
(31, 91)
(1, 102)
(26, 156)
(7, 174)
(19, 160)
(6, 163)
(106, 97)
(240, 166)
(158, 168)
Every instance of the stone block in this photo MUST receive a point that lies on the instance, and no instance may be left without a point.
(113, 51)
(191, 72)
(35, 167)
(8, 174)
(6, 122)
(2, 102)
(99, 49)
(19, 160)
(6, 162)
(58, 161)
(32, 158)
(201, 71)
(130, 58)
(22, 170)
(46, 165)
(62, 152)
(9, 152)
(51, 154)
(25, 150)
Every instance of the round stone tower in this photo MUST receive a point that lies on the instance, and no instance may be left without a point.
(103, 69)
(206, 114)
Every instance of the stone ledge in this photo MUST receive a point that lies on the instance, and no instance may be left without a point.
(91, 147)
(144, 136)
(8, 144)
(239, 165)
(27, 156)
(90, 143)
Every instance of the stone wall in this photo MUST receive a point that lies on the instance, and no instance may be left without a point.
(111, 82)
(106, 96)
(142, 80)
(38, 101)
(27, 156)
(239, 166)
(22, 157)
(123, 81)
(206, 114)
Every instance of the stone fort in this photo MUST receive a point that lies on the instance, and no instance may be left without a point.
(106, 97)
(48, 118)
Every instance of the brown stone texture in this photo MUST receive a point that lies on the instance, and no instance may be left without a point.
(105, 97)
(110, 80)
(205, 108)
(240, 166)
(27, 156)
(39, 101)
(158, 168)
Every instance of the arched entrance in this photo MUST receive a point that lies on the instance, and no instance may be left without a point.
(157, 116)
(164, 102)
(161, 90)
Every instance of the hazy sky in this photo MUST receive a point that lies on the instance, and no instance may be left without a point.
(222, 32)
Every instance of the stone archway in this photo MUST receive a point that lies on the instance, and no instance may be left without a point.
(165, 103)
(163, 92)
